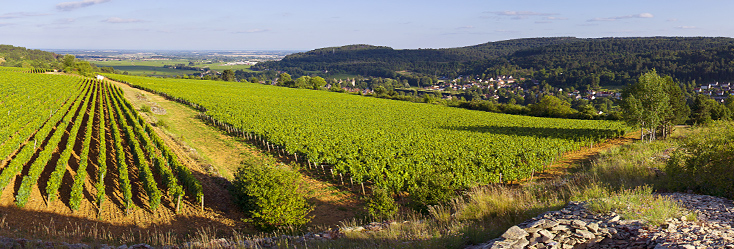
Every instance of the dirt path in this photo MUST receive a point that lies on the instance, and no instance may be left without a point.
(572, 159)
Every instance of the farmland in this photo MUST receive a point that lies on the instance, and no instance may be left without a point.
(73, 145)
(395, 145)
(155, 67)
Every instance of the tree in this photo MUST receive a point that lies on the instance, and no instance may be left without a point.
(68, 63)
(284, 79)
(228, 75)
(679, 110)
(646, 103)
(551, 106)
(729, 102)
(303, 82)
(317, 82)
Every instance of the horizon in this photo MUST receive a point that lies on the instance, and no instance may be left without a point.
(305, 50)
(288, 25)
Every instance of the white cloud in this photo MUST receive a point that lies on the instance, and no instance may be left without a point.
(686, 27)
(249, 31)
(609, 19)
(68, 6)
(120, 20)
(466, 27)
(517, 14)
(555, 18)
(20, 15)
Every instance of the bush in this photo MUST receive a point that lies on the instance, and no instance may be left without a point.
(161, 123)
(145, 108)
(270, 196)
(431, 190)
(704, 162)
(381, 205)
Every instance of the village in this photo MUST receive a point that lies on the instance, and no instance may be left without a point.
(512, 85)
(717, 91)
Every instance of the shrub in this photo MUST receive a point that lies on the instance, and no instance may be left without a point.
(429, 190)
(161, 123)
(270, 195)
(145, 108)
(381, 205)
(704, 162)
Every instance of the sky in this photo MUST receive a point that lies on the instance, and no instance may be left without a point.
(311, 24)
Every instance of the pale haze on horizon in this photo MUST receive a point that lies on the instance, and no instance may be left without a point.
(305, 25)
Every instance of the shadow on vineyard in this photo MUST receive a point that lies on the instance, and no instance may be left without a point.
(547, 132)
(24, 223)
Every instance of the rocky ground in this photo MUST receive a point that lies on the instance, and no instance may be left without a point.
(575, 227)
(571, 227)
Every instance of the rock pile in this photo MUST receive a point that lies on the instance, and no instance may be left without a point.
(575, 227)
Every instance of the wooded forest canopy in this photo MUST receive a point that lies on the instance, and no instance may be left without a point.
(21, 57)
(560, 61)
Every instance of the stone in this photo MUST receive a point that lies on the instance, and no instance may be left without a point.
(585, 234)
(520, 244)
(578, 224)
(560, 228)
(593, 227)
(614, 218)
(538, 223)
(546, 236)
(515, 233)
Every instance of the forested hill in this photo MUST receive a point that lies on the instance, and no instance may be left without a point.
(385, 61)
(619, 61)
(11, 56)
(560, 61)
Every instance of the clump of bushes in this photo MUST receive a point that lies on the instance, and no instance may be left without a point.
(270, 195)
(704, 163)
(145, 108)
(381, 205)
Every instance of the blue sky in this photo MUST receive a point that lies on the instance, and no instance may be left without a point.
(305, 25)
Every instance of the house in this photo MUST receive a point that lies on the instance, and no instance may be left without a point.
(100, 77)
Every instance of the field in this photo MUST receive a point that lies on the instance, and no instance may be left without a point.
(397, 145)
(74, 149)
(155, 67)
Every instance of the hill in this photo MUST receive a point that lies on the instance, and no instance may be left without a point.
(11, 56)
(561, 61)
(385, 61)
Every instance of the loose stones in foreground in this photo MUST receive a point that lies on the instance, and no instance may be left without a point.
(575, 227)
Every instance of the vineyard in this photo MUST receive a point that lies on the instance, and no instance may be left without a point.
(63, 131)
(391, 144)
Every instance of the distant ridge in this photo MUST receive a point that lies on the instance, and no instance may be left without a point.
(605, 61)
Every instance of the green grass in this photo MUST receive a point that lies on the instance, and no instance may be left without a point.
(636, 204)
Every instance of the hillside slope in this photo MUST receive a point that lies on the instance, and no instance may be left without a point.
(561, 61)
(11, 56)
